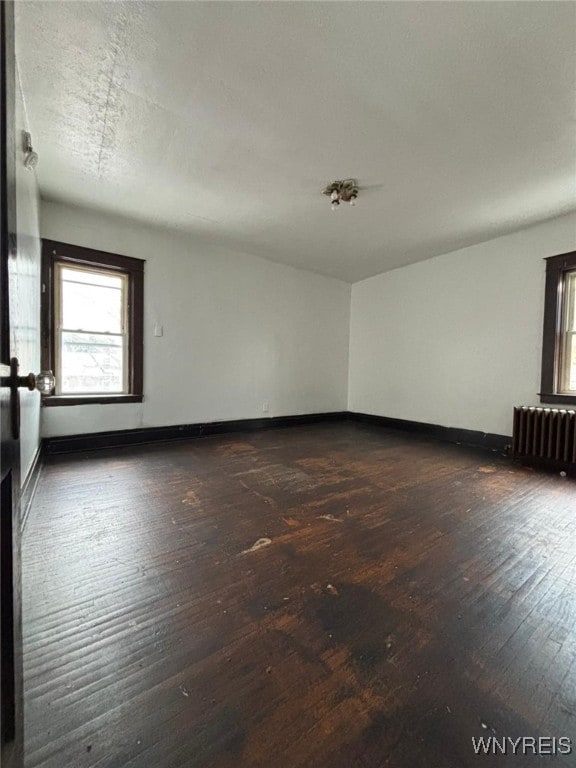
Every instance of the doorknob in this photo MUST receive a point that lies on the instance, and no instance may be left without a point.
(44, 382)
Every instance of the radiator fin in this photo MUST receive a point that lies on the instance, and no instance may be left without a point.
(544, 433)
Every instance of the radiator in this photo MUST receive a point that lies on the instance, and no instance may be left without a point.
(544, 433)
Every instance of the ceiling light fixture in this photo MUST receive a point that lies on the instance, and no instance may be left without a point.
(345, 191)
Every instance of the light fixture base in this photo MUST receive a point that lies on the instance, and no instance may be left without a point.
(342, 190)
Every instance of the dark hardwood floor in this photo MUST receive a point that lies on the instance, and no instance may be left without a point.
(407, 595)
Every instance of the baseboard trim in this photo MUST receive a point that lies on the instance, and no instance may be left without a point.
(469, 437)
(29, 487)
(143, 435)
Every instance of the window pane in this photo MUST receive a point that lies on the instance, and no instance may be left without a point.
(571, 303)
(91, 362)
(571, 362)
(92, 301)
(92, 277)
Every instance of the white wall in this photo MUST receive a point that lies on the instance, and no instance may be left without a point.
(456, 340)
(238, 330)
(25, 293)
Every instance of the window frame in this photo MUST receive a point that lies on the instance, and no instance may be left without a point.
(53, 253)
(59, 329)
(558, 268)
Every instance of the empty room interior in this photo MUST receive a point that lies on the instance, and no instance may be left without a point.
(288, 338)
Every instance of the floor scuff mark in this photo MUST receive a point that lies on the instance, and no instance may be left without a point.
(260, 544)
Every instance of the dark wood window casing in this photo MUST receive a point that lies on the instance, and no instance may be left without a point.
(63, 253)
(557, 269)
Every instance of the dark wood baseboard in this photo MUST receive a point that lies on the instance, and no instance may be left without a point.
(470, 437)
(115, 439)
(118, 438)
(29, 487)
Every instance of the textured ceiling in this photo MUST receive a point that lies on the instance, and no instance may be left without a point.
(227, 120)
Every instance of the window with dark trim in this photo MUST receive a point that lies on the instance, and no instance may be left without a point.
(559, 337)
(92, 325)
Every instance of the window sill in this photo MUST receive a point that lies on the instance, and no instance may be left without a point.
(558, 399)
(53, 401)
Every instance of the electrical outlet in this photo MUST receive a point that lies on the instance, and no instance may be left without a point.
(158, 330)
(265, 406)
